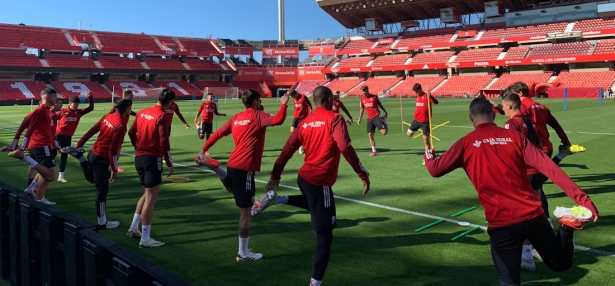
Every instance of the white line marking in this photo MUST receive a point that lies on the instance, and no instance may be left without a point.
(583, 248)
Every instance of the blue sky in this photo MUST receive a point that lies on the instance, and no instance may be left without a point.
(233, 19)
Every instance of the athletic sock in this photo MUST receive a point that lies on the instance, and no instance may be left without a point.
(281, 200)
(527, 252)
(220, 172)
(32, 185)
(102, 220)
(61, 175)
(30, 161)
(314, 282)
(561, 156)
(373, 149)
(135, 221)
(145, 229)
(243, 246)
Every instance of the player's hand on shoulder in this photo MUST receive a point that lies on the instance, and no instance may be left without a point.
(284, 99)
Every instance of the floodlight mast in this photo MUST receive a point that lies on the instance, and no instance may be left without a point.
(281, 21)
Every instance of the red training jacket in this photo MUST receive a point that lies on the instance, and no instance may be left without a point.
(420, 113)
(24, 124)
(303, 107)
(41, 129)
(541, 115)
(112, 130)
(69, 119)
(518, 124)
(149, 134)
(174, 109)
(371, 105)
(209, 109)
(337, 105)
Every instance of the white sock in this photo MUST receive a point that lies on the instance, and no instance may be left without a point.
(314, 282)
(527, 252)
(30, 161)
(30, 187)
(81, 159)
(281, 200)
(145, 229)
(301, 148)
(373, 149)
(102, 220)
(135, 221)
(61, 175)
(220, 172)
(243, 246)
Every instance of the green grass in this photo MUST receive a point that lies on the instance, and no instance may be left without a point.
(372, 245)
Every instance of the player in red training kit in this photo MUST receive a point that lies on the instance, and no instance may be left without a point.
(325, 137)
(149, 135)
(209, 108)
(303, 108)
(174, 109)
(370, 103)
(67, 125)
(422, 117)
(39, 140)
(495, 160)
(129, 96)
(337, 105)
(100, 167)
(248, 129)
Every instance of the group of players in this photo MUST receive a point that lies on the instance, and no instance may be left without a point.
(497, 161)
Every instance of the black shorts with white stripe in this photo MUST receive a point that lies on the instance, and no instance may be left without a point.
(243, 186)
(149, 169)
(322, 205)
(44, 155)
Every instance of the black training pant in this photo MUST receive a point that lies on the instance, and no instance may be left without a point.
(97, 171)
(63, 141)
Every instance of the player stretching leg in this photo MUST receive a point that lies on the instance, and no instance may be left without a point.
(100, 168)
(325, 137)
(337, 105)
(39, 140)
(303, 108)
(248, 129)
(208, 108)
(129, 96)
(495, 160)
(67, 125)
(370, 103)
(149, 135)
(422, 119)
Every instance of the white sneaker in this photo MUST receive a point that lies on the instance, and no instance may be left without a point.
(250, 256)
(109, 225)
(62, 180)
(133, 233)
(45, 201)
(528, 264)
(150, 243)
(267, 200)
(536, 254)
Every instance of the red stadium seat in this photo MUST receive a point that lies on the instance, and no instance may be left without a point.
(432, 57)
(245, 85)
(164, 64)
(343, 84)
(602, 79)
(577, 48)
(198, 45)
(32, 35)
(389, 60)
(21, 89)
(117, 62)
(541, 29)
(118, 86)
(594, 24)
(211, 83)
(427, 82)
(517, 52)
(80, 88)
(19, 60)
(357, 44)
(507, 79)
(129, 42)
(203, 65)
(68, 61)
(478, 54)
(377, 85)
(463, 85)
(181, 88)
(605, 47)
(354, 62)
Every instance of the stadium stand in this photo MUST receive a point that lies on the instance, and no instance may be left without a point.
(181, 88)
(517, 52)
(432, 57)
(69, 61)
(118, 86)
(197, 45)
(377, 85)
(605, 47)
(533, 30)
(405, 87)
(391, 60)
(129, 42)
(116, 62)
(80, 88)
(21, 89)
(164, 64)
(211, 83)
(168, 41)
(354, 62)
(81, 35)
(357, 44)
(576, 48)
(460, 85)
(529, 78)
(592, 24)
(344, 84)
(308, 86)
(204, 65)
(422, 37)
(19, 60)
(245, 85)
(478, 54)
(603, 79)
(32, 35)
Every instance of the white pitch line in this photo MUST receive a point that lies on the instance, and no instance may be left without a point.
(582, 248)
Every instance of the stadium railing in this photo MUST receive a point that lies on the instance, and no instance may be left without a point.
(41, 245)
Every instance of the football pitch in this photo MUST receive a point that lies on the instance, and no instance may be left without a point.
(375, 242)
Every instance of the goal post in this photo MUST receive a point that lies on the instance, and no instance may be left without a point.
(139, 94)
(221, 92)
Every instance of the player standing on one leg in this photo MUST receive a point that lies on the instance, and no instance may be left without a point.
(67, 125)
(248, 129)
(100, 168)
(495, 160)
(422, 119)
(371, 103)
(209, 109)
(129, 96)
(325, 137)
(337, 105)
(174, 109)
(303, 108)
(39, 140)
(149, 135)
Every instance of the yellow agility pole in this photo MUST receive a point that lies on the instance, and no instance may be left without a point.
(401, 112)
(429, 117)
(434, 128)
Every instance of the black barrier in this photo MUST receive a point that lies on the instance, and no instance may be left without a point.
(40, 245)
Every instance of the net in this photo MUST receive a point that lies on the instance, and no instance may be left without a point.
(222, 92)
(139, 94)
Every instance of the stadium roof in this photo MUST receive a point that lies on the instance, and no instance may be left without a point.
(352, 13)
